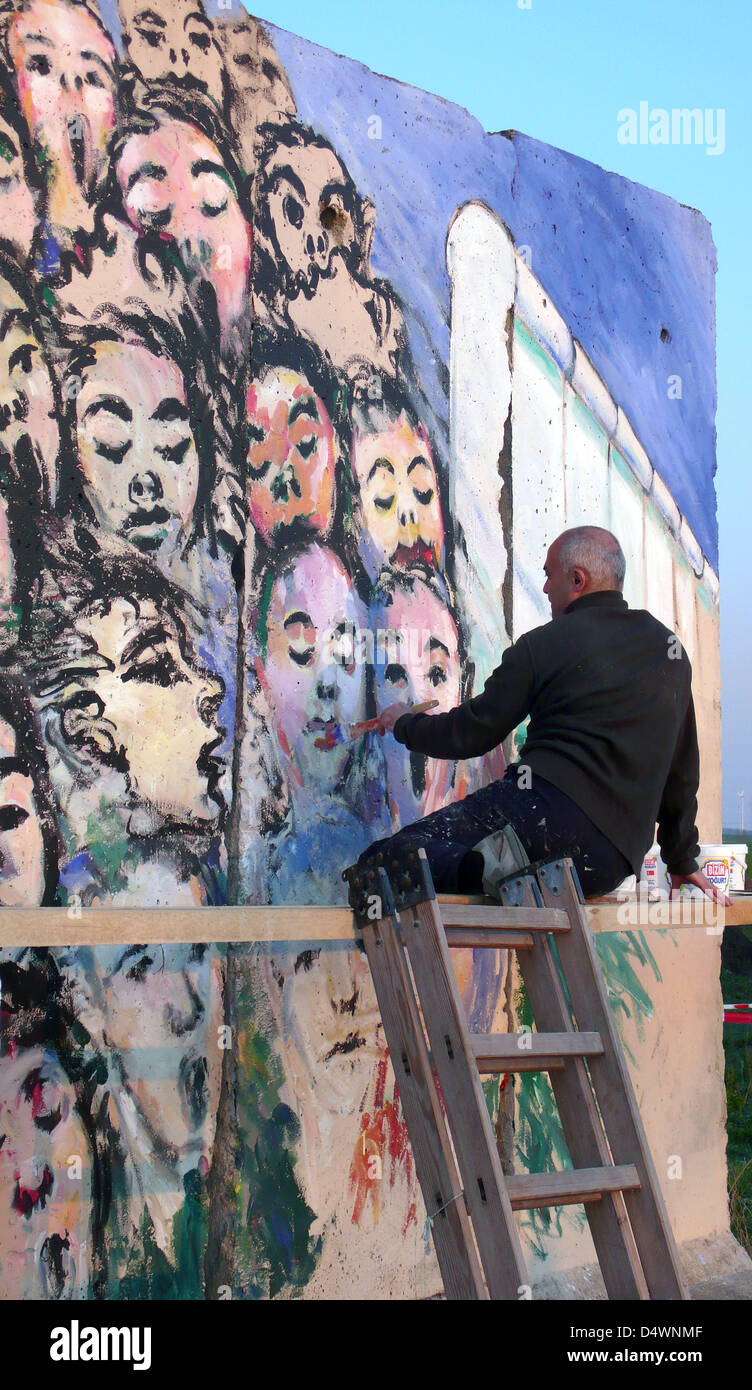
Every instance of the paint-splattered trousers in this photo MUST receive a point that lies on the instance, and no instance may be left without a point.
(547, 822)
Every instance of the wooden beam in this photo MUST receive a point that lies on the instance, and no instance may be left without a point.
(53, 926)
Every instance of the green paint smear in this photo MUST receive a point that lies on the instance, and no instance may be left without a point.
(540, 1145)
(275, 1251)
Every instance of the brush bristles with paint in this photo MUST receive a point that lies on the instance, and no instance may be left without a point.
(334, 737)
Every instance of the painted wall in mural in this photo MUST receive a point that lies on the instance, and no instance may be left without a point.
(276, 448)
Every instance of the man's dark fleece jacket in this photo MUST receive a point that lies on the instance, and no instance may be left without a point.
(612, 723)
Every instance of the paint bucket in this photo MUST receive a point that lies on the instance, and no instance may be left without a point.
(724, 865)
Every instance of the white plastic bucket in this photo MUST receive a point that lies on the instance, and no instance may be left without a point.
(724, 865)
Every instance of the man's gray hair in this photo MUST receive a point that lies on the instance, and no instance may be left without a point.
(596, 550)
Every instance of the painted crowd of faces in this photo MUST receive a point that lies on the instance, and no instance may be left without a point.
(216, 481)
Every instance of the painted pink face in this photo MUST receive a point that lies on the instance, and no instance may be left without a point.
(314, 679)
(173, 181)
(174, 42)
(422, 649)
(291, 456)
(417, 659)
(65, 74)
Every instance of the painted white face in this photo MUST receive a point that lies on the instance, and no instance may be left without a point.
(136, 450)
(22, 879)
(314, 679)
(158, 710)
(156, 1019)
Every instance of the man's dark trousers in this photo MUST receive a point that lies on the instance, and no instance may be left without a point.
(547, 822)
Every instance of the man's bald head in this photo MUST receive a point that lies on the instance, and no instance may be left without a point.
(582, 560)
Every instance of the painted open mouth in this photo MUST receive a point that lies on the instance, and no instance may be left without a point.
(417, 556)
(321, 726)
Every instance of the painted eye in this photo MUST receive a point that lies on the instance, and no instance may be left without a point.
(343, 646)
(293, 211)
(115, 453)
(201, 41)
(213, 210)
(11, 817)
(423, 497)
(384, 504)
(157, 668)
(139, 969)
(175, 453)
(395, 674)
(306, 446)
(152, 36)
(260, 470)
(39, 64)
(437, 675)
(93, 79)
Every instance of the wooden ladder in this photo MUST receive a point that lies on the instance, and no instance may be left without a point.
(406, 933)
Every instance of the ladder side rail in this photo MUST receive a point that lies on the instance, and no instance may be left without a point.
(609, 1225)
(465, 1104)
(612, 1084)
(434, 1162)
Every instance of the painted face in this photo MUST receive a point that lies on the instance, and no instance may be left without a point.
(309, 209)
(65, 74)
(135, 446)
(174, 41)
(402, 524)
(253, 65)
(173, 181)
(417, 659)
(21, 842)
(17, 213)
(311, 672)
(290, 456)
(44, 1215)
(28, 422)
(156, 1018)
(158, 711)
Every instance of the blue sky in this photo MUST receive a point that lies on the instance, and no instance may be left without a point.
(561, 70)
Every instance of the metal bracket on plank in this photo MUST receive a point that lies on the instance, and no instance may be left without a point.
(551, 872)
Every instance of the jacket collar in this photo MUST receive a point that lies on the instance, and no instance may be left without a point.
(603, 598)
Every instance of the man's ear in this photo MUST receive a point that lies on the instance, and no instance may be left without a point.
(579, 579)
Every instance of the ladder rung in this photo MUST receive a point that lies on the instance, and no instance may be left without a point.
(488, 936)
(496, 1052)
(483, 917)
(572, 1185)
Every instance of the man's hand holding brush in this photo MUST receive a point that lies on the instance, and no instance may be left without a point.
(389, 716)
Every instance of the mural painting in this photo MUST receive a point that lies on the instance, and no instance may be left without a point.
(231, 525)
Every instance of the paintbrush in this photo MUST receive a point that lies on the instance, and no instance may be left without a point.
(337, 735)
